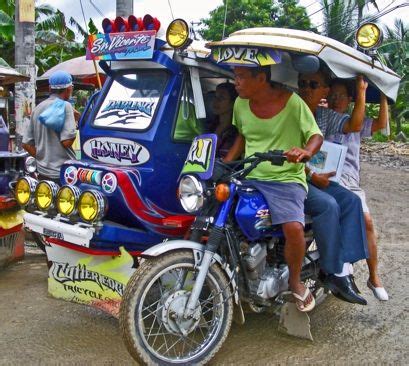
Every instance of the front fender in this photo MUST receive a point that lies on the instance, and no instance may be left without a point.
(198, 250)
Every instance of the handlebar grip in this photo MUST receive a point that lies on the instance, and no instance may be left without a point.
(276, 157)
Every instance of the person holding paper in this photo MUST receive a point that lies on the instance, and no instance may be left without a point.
(338, 221)
(339, 97)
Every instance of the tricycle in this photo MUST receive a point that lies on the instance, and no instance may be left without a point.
(149, 226)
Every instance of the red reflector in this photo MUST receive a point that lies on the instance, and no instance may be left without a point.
(151, 23)
(178, 221)
(121, 24)
(134, 23)
(108, 26)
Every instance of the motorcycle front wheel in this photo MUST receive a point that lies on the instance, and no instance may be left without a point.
(151, 317)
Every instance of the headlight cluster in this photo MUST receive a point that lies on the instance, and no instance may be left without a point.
(191, 193)
(67, 200)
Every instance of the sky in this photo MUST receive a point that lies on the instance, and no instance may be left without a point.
(192, 10)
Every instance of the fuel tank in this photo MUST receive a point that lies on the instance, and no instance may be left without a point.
(253, 216)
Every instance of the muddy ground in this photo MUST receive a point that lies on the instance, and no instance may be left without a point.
(38, 330)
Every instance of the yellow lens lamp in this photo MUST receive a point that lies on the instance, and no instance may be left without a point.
(44, 194)
(368, 36)
(24, 190)
(66, 200)
(177, 34)
(91, 206)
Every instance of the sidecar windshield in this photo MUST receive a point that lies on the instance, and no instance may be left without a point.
(131, 100)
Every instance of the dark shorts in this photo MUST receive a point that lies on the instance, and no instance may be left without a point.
(285, 200)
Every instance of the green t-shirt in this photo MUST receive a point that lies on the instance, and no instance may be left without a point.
(292, 127)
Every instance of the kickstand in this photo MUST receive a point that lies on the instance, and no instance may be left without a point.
(295, 322)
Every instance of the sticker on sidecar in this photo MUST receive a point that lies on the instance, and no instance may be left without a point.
(200, 159)
(112, 150)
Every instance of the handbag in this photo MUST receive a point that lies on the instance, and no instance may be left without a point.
(54, 116)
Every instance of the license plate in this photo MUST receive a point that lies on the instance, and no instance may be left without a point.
(53, 234)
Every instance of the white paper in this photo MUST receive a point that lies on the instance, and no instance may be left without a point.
(330, 158)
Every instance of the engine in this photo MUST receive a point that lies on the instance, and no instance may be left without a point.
(269, 277)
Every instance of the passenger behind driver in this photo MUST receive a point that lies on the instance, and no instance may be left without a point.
(339, 98)
(338, 220)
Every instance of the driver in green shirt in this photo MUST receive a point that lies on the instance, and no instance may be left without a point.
(270, 117)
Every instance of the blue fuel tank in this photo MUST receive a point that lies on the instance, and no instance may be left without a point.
(253, 216)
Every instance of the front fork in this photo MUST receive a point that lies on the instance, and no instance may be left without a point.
(215, 238)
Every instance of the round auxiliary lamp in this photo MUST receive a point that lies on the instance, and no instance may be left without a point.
(369, 36)
(177, 34)
(44, 194)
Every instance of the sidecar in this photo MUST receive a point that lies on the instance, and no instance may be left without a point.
(121, 198)
(135, 133)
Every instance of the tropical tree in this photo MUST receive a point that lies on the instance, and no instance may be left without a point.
(343, 17)
(339, 20)
(238, 14)
(55, 38)
(395, 52)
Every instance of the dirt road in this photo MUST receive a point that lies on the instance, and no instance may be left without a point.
(38, 330)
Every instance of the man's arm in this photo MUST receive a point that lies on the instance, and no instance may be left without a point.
(31, 149)
(297, 155)
(382, 120)
(67, 143)
(236, 150)
(354, 124)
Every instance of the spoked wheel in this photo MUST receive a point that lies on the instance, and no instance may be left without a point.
(312, 281)
(151, 317)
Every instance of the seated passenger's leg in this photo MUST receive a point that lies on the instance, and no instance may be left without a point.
(325, 214)
(352, 221)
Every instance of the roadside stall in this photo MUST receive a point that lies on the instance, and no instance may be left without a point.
(11, 168)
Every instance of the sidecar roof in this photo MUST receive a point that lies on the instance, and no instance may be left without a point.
(343, 61)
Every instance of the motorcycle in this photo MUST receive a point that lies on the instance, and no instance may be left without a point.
(178, 305)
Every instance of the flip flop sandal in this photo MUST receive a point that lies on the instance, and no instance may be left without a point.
(302, 307)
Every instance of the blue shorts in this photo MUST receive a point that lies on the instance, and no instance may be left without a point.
(285, 200)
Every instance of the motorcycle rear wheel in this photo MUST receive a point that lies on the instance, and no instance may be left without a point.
(151, 321)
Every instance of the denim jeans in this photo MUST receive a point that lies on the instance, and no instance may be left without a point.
(338, 224)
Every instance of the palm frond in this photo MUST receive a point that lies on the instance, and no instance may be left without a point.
(83, 32)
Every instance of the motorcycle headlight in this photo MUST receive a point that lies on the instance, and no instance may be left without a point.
(30, 165)
(24, 190)
(44, 194)
(91, 205)
(66, 201)
(191, 193)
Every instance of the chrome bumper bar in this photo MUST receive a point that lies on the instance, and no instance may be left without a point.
(70, 233)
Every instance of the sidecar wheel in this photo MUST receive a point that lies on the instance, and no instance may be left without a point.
(151, 321)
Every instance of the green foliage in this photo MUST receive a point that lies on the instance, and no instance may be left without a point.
(378, 137)
(395, 53)
(243, 14)
(55, 40)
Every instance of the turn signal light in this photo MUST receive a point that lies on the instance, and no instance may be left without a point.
(222, 192)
